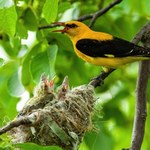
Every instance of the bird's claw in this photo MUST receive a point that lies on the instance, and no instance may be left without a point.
(98, 81)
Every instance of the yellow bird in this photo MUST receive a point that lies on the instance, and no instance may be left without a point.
(100, 48)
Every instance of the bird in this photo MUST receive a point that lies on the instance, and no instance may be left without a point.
(100, 48)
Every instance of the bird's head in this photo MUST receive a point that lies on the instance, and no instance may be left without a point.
(72, 28)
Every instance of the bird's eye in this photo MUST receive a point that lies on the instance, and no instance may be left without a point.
(71, 25)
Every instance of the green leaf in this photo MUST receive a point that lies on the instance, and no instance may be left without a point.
(50, 10)
(44, 62)
(14, 85)
(32, 146)
(8, 18)
(64, 6)
(26, 74)
(39, 65)
(62, 40)
(95, 139)
(1, 61)
(30, 20)
(7, 102)
(21, 30)
(52, 53)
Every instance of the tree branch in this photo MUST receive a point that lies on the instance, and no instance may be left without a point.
(17, 122)
(99, 13)
(140, 110)
(47, 26)
(99, 80)
(92, 16)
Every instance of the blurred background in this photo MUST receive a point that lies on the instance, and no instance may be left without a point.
(26, 52)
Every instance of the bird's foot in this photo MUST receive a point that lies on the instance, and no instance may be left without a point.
(97, 81)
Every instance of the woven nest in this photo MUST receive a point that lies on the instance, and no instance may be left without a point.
(62, 117)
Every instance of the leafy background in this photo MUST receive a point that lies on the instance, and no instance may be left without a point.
(26, 52)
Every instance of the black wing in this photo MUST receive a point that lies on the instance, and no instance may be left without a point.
(116, 47)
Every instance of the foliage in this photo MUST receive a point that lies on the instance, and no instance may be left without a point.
(26, 52)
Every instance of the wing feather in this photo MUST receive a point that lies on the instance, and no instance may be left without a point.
(113, 48)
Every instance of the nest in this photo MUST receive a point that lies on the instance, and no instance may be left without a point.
(56, 118)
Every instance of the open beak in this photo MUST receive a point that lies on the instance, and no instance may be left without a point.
(60, 24)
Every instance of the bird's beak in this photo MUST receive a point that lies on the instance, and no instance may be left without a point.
(60, 24)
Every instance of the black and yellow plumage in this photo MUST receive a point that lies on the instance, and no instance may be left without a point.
(100, 48)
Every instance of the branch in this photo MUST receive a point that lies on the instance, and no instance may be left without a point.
(17, 122)
(140, 110)
(92, 16)
(47, 26)
(99, 80)
(95, 15)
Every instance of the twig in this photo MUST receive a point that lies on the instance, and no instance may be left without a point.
(92, 16)
(140, 110)
(47, 26)
(95, 15)
(99, 80)
(17, 122)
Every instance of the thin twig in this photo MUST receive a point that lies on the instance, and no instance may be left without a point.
(24, 120)
(99, 80)
(92, 16)
(140, 110)
(99, 13)
(103, 11)
(47, 26)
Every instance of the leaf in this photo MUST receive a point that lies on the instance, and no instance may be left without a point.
(26, 74)
(32, 146)
(8, 25)
(62, 40)
(44, 62)
(1, 61)
(39, 65)
(6, 3)
(50, 9)
(52, 53)
(14, 85)
(99, 140)
(30, 20)
(64, 6)
(21, 30)
(7, 102)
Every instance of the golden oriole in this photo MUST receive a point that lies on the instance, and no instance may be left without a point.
(100, 48)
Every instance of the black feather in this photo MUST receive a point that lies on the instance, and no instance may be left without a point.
(116, 47)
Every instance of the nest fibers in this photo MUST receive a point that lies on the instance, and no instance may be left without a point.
(57, 118)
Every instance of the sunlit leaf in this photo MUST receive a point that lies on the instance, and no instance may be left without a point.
(21, 30)
(44, 62)
(50, 10)
(52, 52)
(15, 87)
(8, 24)
(26, 73)
(6, 3)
